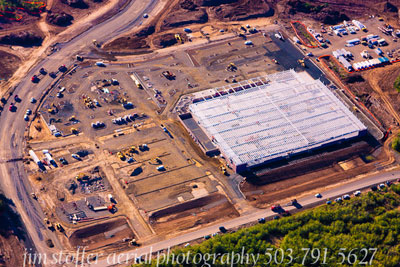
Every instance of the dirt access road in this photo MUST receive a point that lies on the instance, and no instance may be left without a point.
(16, 183)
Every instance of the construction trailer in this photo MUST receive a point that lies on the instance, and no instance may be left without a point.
(36, 159)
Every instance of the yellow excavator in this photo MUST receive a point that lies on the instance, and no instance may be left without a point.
(301, 62)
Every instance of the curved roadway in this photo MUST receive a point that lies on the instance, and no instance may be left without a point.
(14, 181)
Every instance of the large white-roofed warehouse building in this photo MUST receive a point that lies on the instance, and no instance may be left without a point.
(265, 119)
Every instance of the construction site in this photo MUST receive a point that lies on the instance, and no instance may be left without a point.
(300, 115)
(125, 153)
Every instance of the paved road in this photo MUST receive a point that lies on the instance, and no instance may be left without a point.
(14, 181)
(308, 201)
(288, 55)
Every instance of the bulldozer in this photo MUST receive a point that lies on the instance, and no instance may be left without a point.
(231, 67)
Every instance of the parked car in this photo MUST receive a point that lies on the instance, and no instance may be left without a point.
(33, 100)
(357, 193)
(318, 195)
(374, 188)
(207, 237)
(381, 186)
(346, 197)
(42, 71)
(261, 220)
(223, 229)
(338, 200)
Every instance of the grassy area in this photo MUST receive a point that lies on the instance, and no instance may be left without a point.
(30, 6)
(333, 65)
(304, 34)
(396, 84)
(396, 143)
(362, 231)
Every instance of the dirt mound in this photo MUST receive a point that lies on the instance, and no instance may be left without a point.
(242, 10)
(183, 17)
(76, 3)
(215, 2)
(164, 40)
(128, 43)
(335, 11)
(320, 12)
(59, 18)
(8, 64)
(22, 38)
(102, 234)
(193, 213)
(388, 7)
(146, 31)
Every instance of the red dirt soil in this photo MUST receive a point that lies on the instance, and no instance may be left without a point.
(193, 213)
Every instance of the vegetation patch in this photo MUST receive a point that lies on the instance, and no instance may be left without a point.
(307, 38)
(396, 84)
(336, 67)
(396, 143)
(370, 221)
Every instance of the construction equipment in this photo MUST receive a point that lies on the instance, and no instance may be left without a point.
(301, 62)
(49, 224)
(59, 227)
(275, 61)
(121, 156)
(34, 196)
(178, 38)
(133, 242)
(223, 170)
(95, 43)
(81, 177)
(133, 149)
(74, 131)
(231, 67)
(169, 75)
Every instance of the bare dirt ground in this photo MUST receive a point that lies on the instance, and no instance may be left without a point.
(381, 80)
(193, 213)
(8, 65)
(11, 251)
(265, 193)
(160, 31)
(101, 235)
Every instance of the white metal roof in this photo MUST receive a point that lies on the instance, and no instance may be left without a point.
(279, 114)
